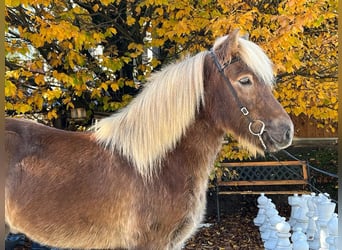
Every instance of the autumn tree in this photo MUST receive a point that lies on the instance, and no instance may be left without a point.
(52, 64)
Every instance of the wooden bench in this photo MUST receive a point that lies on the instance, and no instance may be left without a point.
(269, 177)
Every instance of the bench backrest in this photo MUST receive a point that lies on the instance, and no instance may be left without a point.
(265, 173)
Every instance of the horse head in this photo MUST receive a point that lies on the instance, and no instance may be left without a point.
(238, 86)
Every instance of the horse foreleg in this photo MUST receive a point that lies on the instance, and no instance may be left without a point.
(7, 230)
(182, 234)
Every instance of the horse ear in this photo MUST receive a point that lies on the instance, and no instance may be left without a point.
(233, 40)
(233, 43)
(229, 47)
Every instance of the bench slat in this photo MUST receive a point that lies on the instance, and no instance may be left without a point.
(263, 163)
(265, 192)
(260, 183)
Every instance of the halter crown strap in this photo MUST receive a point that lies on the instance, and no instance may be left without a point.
(226, 64)
(220, 67)
(243, 108)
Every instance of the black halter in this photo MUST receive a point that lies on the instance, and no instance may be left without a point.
(243, 108)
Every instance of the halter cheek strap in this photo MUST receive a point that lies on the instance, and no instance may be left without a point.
(243, 109)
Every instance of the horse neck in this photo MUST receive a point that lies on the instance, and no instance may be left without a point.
(198, 148)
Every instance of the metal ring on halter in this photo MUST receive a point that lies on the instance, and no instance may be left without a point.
(262, 129)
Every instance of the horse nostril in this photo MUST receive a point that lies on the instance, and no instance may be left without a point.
(288, 135)
(282, 134)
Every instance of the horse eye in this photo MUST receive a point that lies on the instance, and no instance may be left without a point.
(245, 81)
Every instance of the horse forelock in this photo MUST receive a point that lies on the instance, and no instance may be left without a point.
(255, 58)
(155, 120)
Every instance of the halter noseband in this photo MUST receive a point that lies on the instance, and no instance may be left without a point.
(243, 108)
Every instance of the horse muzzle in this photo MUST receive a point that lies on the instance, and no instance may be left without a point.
(278, 137)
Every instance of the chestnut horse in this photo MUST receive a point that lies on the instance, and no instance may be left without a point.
(138, 179)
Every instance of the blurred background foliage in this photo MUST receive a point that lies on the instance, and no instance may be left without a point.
(97, 54)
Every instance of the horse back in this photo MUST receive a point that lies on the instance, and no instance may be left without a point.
(26, 138)
(34, 150)
(20, 137)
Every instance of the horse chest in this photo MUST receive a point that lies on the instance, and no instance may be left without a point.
(193, 213)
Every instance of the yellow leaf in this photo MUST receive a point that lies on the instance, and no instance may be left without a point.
(37, 101)
(27, 73)
(9, 106)
(130, 83)
(22, 107)
(138, 10)
(136, 46)
(159, 11)
(98, 37)
(155, 62)
(20, 94)
(112, 30)
(96, 7)
(114, 86)
(52, 115)
(126, 59)
(104, 86)
(52, 94)
(10, 89)
(106, 2)
(70, 105)
(12, 3)
(13, 74)
(39, 79)
(37, 66)
(130, 20)
(67, 101)
(95, 93)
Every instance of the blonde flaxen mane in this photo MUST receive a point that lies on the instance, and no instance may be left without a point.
(152, 124)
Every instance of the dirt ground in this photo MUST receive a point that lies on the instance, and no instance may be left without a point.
(235, 229)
